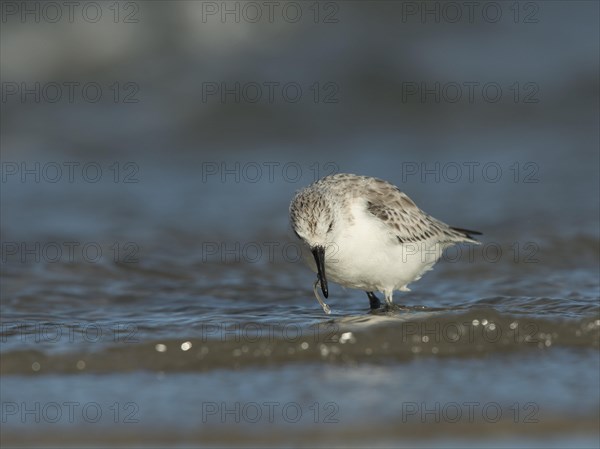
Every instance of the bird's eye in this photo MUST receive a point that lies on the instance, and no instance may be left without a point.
(330, 227)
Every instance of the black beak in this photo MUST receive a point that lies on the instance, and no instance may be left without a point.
(319, 253)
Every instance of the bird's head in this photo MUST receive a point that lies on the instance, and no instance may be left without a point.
(313, 221)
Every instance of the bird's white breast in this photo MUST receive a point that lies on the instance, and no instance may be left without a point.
(364, 254)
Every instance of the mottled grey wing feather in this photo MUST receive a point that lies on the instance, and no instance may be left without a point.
(404, 219)
(396, 210)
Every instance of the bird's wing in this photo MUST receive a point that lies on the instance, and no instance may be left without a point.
(404, 220)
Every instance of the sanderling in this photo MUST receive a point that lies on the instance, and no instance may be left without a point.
(365, 233)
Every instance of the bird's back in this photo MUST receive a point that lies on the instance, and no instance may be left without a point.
(392, 207)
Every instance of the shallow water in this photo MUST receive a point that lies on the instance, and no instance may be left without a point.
(201, 353)
(175, 310)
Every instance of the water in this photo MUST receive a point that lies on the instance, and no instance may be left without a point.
(174, 310)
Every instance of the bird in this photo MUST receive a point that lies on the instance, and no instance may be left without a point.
(365, 233)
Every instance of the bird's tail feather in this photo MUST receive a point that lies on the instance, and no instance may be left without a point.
(467, 233)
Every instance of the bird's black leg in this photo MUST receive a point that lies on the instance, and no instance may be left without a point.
(373, 301)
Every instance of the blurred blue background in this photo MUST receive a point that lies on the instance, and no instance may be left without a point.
(385, 87)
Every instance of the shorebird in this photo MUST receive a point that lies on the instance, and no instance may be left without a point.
(364, 233)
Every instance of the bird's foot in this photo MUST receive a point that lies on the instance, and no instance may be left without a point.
(388, 307)
(392, 307)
